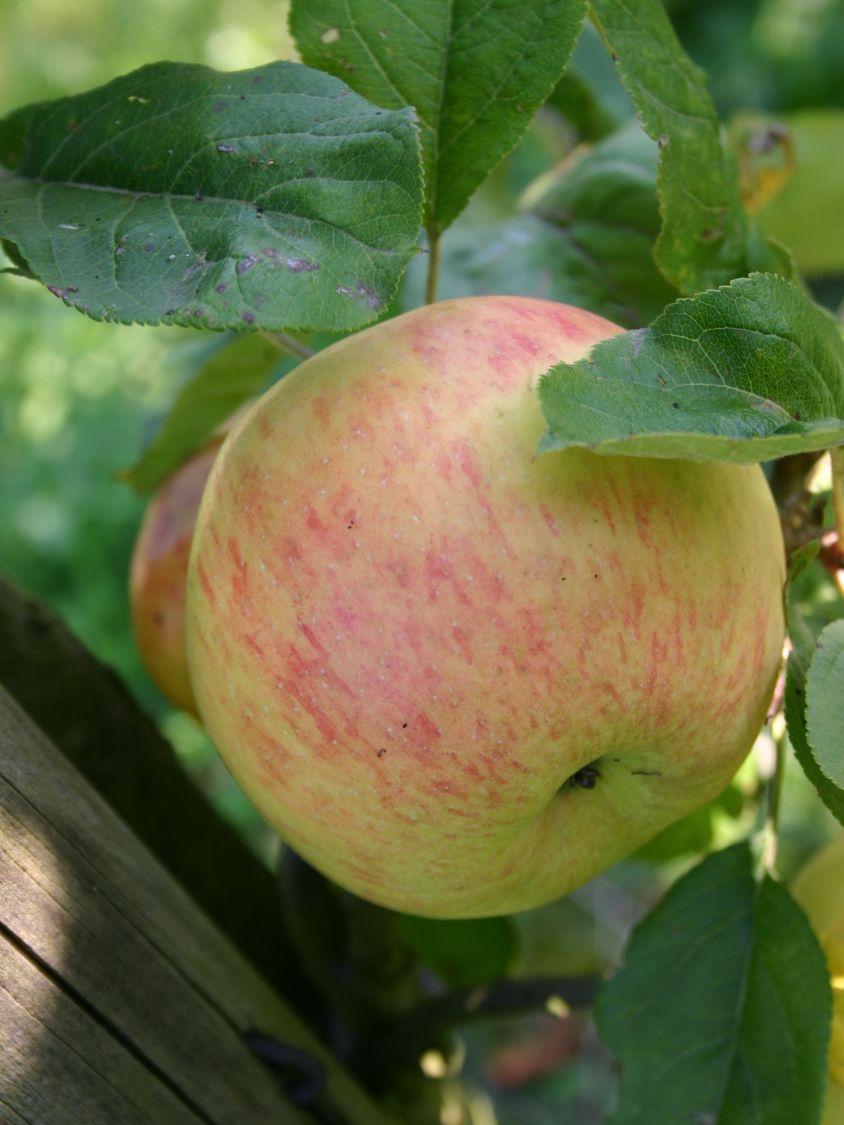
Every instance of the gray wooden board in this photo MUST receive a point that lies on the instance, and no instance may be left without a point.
(89, 906)
(59, 1064)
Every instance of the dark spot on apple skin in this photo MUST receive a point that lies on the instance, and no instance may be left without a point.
(382, 752)
(646, 773)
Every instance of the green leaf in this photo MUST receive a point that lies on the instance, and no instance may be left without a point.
(565, 938)
(236, 372)
(796, 672)
(795, 717)
(605, 206)
(744, 373)
(463, 953)
(721, 1011)
(587, 241)
(825, 703)
(19, 266)
(575, 101)
(591, 67)
(706, 239)
(13, 130)
(475, 70)
(264, 198)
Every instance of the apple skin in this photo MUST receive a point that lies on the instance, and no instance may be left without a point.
(407, 633)
(819, 888)
(158, 577)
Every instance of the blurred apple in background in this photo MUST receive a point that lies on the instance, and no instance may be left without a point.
(158, 576)
(819, 888)
(459, 678)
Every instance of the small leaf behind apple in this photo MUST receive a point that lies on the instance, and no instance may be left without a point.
(464, 953)
(238, 370)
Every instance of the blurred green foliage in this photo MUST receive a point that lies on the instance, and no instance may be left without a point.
(765, 54)
(79, 400)
(49, 47)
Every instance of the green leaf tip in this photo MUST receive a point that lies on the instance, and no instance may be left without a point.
(475, 72)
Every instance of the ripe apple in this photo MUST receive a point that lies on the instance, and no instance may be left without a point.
(158, 576)
(459, 678)
(819, 888)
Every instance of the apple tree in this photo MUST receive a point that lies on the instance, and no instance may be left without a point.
(316, 220)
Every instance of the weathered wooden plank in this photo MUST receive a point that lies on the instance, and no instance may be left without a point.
(59, 1065)
(87, 712)
(83, 895)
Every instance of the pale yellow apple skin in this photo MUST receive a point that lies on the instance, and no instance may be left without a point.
(158, 577)
(406, 631)
(819, 888)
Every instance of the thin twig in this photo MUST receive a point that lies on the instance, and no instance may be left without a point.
(289, 344)
(836, 456)
(768, 851)
(432, 280)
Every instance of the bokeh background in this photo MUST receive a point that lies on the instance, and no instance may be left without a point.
(79, 400)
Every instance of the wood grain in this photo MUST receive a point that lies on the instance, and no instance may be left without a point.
(103, 947)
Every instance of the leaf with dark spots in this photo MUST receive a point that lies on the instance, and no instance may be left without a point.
(334, 182)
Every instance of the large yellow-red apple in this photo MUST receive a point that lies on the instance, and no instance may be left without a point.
(459, 678)
(158, 577)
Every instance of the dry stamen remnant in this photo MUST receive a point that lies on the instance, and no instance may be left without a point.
(585, 778)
